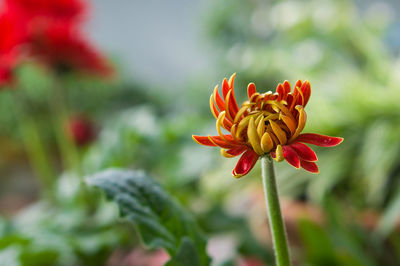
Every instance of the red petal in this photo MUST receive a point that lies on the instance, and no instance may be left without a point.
(237, 151)
(306, 88)
(226, 144)
(304, 152)
(251, 89)
(309, 166)
(291, 156)
(245, 163)
(225, 87)
(281, 91)
(319, 140)
(203, 140)
(220, 103)
(214, 141)
(286, 86)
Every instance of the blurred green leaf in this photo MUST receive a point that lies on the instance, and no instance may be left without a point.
(390, 217)
(319, 249)
(160, 220)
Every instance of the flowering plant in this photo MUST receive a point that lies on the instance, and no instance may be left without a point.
(269, 123)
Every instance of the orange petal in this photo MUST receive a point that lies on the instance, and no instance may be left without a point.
(245, 163)
(233, 152)
(278, 154)
(231, 82)
(301, 123)
(279, 133)
(266, 142)
(291, 156)
(218, 100)
(281, 92)
(309, 166)
(251, 89)
(203, 140)
(306, 88)
(214, 109)
(225, 87)
(287, 87)
(222, 143)
(319, 140)
(253, 137)
(304, 152)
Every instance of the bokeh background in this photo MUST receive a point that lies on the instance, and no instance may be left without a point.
(167, 57)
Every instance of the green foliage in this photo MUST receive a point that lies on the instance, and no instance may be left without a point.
(342, 50)
(160, 220)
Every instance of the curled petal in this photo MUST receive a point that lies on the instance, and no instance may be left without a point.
(245, 163)
(225, 87)
(230, 113)
(279, 133)
(266, 142)
(233, 152)
(203, 140)
(254, 139)
(291, 156)
(304, 152)
(306, 88)
(214, 109)
(301, 124)
(309, 166)
(251, 89)
(218, 100)
(281, 92)
(214, 141)
(231, 85)
(291, 124)
(286, 86)
(278, 154)
(319, 140)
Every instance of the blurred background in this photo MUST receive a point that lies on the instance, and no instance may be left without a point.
(86, 86)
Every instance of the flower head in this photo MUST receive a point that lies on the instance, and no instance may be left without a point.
(268, 123)
(61, 47)
(11, 38)
(52, 35)
(81, 130)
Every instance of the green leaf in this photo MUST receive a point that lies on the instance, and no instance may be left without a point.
(160, 220)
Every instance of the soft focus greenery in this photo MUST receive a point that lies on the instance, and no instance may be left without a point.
(349, 213)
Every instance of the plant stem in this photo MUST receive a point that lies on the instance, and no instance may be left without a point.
(67, 148)
(277, 227)
(35, 148)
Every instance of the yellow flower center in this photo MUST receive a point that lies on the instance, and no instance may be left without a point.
(266, 124)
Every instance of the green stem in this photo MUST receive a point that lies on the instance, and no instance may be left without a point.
(274, 212)
(68, 151)
(34, 146)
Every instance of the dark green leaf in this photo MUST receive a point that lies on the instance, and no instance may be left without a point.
(160, 220)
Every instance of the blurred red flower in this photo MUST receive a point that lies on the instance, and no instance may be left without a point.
(81, 129)
(53, 37)
(12, 35)
(61, 47)
(48, 9)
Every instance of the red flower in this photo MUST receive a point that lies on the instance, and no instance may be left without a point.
(62, 48)
(81, 130)
(269, 123)
(53, 36)
(48, 9)
(12, 35)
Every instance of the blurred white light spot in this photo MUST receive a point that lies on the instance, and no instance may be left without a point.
(260, 22)
(325, 16)
(222, 248)
(308, 53)
(287, 14)
(142, 119)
